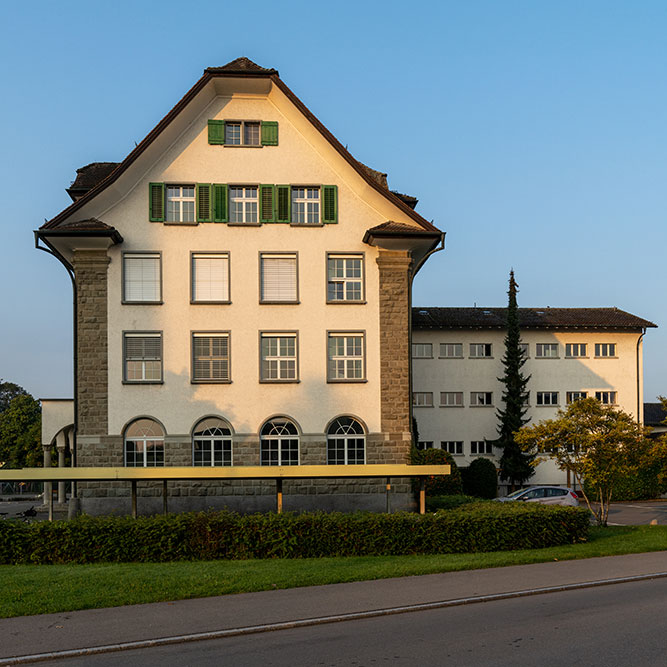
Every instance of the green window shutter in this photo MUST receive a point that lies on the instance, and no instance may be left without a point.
(216, 132)
(219, 202)
(283, 203)
(203, 202)
(156, 202)
(269, 133)
(329, 203)
(266, 205)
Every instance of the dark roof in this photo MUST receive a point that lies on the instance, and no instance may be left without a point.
(529, 318)
(378, 176)
(90, 225)
(89, 176)
(406, 199)
(239, 67)
(391, 228)
(654, 414)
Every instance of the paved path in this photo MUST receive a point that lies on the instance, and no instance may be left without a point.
(72, 630)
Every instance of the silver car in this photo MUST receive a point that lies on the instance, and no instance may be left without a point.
(547, 495)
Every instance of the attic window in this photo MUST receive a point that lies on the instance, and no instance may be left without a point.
(486, 312)
(242, 132)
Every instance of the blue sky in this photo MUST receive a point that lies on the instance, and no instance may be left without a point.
(533, 133)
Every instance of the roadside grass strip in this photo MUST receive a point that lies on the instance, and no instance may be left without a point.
(43, 589)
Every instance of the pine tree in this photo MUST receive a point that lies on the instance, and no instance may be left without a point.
(515, 465)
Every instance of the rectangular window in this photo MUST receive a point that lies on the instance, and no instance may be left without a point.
(243, 204)
(546, 350)
(345, 278)
(278, 278)
(422, 399)
(606, 397)
(141, 278)
(180, 203)
(451, 399)
(143, 357)
(481, 447)
(210, 277)
(572, 396)
(547, 398)
(605, 349)
(452, 446)
(422, 351)
(242, 133)
(306, 206)
(279, 357)
(575, 350)
(480, 350)
(481, 398)
(210, 357)
(425, 444)
(451, 350)
(346, 356)
(524, 348)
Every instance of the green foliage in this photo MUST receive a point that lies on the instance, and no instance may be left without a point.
(8, 392)
(435, 503)
(480, 478)
(438, 485)
(515, 464)
(20, 432)
(642, 484)
(225, 535)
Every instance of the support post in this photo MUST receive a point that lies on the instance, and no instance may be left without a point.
(134, 498)
(47, 464)
(422, 495)
(61, 485)
(50, 505)
(164, 497)
(279, 495)
(387, 491)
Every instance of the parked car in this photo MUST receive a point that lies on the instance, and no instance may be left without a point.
(547, 495)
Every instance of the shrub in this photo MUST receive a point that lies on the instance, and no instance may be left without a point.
(225, 535)
(640, 485)
(434, 503)
(480, 478)
(439, 485)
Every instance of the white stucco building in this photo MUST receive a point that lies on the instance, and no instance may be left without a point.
(570, 353)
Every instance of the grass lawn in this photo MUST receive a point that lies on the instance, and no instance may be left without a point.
(42, 589)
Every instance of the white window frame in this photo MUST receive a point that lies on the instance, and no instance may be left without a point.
(209, 277)
(214, 436)
(212, 359)
(142, 361)
(546, 398)
(279, 277)
(175, 211)
(422, 350)
(451, 350)
(350, 366)
(541, 348)
(284, 443)
(605, 350)
(572, 396)
(576, 350)
(149, 442)
(276, 362)
(248, 204)
(481, 448)
(481, 350)
(480, 399)
(346, 436)
(607, 397)
(142, 278)
(341, 270)
(306, 205)
(451, 399)
(454, 447)
(422, 399)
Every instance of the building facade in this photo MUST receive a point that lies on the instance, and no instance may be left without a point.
(570, 353)
(242, 297)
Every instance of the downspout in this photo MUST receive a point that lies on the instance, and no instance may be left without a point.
(639, 342)
(437, 248)
(70, 272)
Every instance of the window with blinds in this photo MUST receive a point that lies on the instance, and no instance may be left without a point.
(210, 278)
(141, 278)
(210, 357)
(142, 354)
(278, 278)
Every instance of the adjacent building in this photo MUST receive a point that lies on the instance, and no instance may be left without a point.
(571, 353)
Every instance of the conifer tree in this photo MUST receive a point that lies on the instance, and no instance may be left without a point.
(515, 465)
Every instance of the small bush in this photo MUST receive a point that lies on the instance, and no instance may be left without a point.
(480, 478)
(225, 535)
(438, 485)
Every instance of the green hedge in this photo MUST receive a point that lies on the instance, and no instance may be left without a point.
(225, 535)
(435, 503)
(480, 478)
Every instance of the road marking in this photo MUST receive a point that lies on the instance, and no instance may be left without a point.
(320, 620)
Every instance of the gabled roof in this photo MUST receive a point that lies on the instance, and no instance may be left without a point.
(391, 228)
(241, 67)
(529, 318)
(88, 177)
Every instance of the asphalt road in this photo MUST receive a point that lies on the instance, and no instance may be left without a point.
(622, 625)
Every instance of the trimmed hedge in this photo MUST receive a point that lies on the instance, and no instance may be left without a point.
(480, 478)
(437, 485)
(226, 535)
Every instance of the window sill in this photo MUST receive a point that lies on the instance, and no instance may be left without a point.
(461, 357)
(140, 382)
(244, 224)
(210, 381)
(346, 381)
(422, 406)
(476, 357)
(209, 303)
(605, 357)
(556, 405)
(239, 145)
(346, 303)
(482, 406)
(179, 223)
(451, 406)
(566, 357)
(306, 224)
(547, 358)
(279, 303)
(142, 303)
(279, 381)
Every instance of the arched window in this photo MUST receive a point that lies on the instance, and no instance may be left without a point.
(279, 443)
(144, 443)
(346, 442)
(212, 443)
